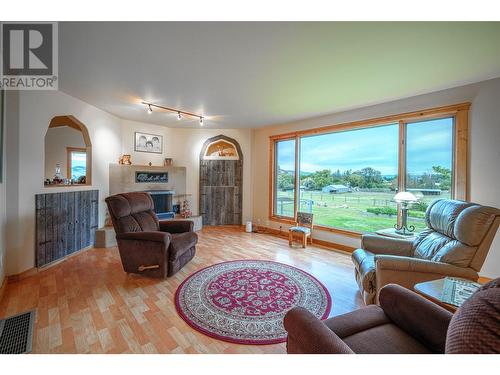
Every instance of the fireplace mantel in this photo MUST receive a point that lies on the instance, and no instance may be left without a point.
(122, 179)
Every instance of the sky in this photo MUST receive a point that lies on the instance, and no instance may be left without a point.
(428, 143)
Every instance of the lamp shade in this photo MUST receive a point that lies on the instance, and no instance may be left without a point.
(405, 196)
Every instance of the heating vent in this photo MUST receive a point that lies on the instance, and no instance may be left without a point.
(16, 333)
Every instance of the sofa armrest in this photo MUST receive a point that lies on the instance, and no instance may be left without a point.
(407, 264)
(309, 335)
(387, 245)
(420, 318)
(407, 271)
(145, 236)
(176, 226)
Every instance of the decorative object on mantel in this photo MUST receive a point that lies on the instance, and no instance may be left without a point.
(125, 160)
(185, 209)
(179, 112)
(58, 178)
(167, 162)
(151, 143)
(151, 177)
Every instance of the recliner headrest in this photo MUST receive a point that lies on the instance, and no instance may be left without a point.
(126, 204)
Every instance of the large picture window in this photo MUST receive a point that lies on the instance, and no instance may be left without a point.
(348, 174)
(284, 179)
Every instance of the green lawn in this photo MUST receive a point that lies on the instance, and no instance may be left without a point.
(348, 210)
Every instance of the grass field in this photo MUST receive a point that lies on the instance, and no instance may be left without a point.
(348, 210)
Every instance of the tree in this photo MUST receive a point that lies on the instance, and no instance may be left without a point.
(443, 178)
(321, 179)
(355, 180)
(286, 180)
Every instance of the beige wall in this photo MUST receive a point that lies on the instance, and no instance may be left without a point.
(2, 205)
(484, 151)
(184, 146)
(29, 114)
(56, 141)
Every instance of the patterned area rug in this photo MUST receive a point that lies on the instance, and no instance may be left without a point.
(245, 301)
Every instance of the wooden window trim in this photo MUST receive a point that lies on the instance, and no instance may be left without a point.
(460, 189)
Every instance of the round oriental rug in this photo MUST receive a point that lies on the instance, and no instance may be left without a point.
(245, 301)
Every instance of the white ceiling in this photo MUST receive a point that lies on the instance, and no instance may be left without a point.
(256, 74)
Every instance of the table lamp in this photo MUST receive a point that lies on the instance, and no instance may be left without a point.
(404, 198)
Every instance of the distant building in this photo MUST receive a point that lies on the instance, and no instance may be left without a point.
(336, 189)
(426, 191)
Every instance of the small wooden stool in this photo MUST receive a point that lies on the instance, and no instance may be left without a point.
(304, 226)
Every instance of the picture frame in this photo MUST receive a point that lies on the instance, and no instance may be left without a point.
(149, 143)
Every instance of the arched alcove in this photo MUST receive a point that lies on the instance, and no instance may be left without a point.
(221, 181)
(67, 145)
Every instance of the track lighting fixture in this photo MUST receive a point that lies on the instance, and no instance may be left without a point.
(178, 111)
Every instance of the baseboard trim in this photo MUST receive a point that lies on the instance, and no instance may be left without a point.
(33, 271)
(321, 243)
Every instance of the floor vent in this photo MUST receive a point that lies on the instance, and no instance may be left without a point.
(16, 333)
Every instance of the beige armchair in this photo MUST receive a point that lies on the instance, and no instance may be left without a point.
(457, 239)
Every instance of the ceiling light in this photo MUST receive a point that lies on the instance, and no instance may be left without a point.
(180, 113)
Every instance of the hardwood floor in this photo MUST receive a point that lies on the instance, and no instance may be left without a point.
(87, 304)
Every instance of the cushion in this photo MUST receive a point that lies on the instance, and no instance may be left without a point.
(473, 223)
(456, 253)
(369, 330)
(300, 229)
(442, 214)
(475, 327)
(428, 243)
(385, 339)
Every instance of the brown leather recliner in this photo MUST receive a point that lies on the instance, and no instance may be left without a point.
(147, 246)
(404, 323)
(457, 239)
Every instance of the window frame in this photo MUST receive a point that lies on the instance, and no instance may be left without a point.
(69, 160)
(460, 172)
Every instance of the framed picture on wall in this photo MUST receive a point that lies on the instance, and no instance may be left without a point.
(148, 143)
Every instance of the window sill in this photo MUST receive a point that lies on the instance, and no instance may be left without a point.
(345, 232)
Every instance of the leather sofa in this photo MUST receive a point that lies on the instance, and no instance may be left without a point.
(455, 243)
(147, 246)
(404, 323)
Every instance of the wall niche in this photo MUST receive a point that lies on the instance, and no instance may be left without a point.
(68, 153)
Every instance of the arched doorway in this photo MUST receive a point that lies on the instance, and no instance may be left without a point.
(221, 181)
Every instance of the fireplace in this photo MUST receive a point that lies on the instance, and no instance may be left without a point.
(163, 203)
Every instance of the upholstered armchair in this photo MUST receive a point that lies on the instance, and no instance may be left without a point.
(404, 323)
(147, 246)
(455, 243)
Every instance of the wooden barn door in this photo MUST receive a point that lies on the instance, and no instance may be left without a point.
(221, 182)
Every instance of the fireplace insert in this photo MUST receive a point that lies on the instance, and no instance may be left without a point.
(163, 203)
